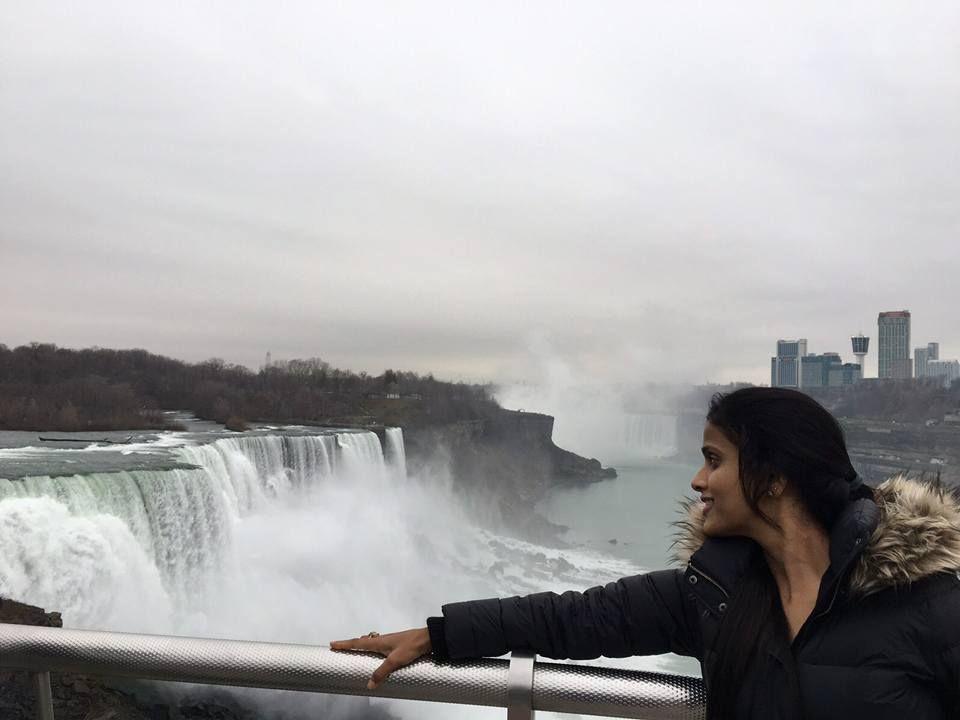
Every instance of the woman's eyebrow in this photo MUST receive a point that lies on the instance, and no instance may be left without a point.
(709, 449)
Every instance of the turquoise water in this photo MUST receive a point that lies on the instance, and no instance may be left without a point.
(636, 509)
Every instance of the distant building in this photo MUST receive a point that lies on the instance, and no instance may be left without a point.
(793, 367)
(946, 370)
(816, 369)
(861, 345)
(786, 366)
(828, 370)
(894, 345)
(921, 356)
(846, 374)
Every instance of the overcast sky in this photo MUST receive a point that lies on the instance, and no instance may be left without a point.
(637, 190)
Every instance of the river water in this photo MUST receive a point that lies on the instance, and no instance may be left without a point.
(295, 535)
(629, 518)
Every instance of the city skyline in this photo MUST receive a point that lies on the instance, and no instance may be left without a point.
(897, 358)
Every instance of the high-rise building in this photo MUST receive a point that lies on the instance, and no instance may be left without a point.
(922, 356)
(816, 369)
(786, 367)
(846, 374)
(860, 346)
(894, 345)
(947, 370)
(828, 370)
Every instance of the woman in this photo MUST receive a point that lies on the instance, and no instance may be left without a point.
(805, 593)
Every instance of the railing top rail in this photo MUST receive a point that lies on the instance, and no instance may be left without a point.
(582, 689)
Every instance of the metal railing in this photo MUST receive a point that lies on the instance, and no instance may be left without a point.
(520, 684)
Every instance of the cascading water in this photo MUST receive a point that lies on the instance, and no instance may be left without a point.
(90, 566)
(395, 451)
(282, 537)
(182, 520)
(649, 435)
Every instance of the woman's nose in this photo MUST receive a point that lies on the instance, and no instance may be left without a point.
(698, 483)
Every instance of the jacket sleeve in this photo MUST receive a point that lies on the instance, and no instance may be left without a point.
(638, 615)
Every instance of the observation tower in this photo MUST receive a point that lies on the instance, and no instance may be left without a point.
(860, 345)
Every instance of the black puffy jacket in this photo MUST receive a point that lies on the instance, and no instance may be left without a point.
(882, 643)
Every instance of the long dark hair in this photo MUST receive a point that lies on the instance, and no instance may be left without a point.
(779, 433)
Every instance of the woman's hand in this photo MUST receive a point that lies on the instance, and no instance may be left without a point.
(400, 648)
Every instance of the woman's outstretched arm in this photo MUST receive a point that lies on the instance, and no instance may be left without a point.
(645, 614)
(637, 615)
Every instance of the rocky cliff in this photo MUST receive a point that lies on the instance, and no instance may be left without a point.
(510, 459)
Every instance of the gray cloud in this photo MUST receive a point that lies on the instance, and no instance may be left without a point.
(649, 192)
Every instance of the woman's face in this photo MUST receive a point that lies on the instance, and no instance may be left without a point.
(718, 483)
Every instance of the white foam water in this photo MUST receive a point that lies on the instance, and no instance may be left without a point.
(91, 566)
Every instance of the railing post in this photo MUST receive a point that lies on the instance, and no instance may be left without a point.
(520, 686)
(41, 690)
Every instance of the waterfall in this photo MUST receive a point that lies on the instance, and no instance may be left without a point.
(249, 471)
(395, 452)
(177, 517)
(169, 529)
(90, 567)
(650, 435)
(361, 456)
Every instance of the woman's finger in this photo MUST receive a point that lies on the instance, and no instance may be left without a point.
(386, 667)
(374, 644)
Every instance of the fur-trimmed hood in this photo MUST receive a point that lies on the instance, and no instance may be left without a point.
(918, 535)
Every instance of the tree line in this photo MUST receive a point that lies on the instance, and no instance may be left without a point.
(45, 387)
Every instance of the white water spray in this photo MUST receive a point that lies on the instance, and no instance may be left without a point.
(91, 566)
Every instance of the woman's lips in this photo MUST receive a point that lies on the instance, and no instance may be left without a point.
(707, 504)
